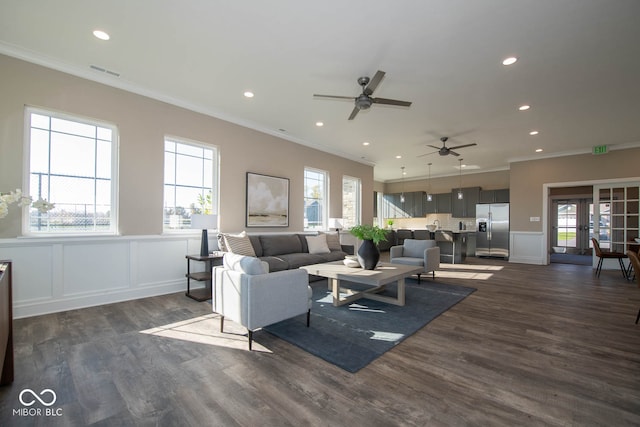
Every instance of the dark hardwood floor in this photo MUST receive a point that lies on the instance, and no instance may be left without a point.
(534, 345)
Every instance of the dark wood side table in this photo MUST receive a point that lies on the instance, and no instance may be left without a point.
(202, 294)
(6, 324)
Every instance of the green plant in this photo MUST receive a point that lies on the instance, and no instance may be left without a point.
(369, 232)
(390, 222)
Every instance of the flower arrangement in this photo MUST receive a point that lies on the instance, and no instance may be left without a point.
(16, 196)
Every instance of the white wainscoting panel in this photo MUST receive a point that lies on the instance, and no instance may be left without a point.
(95, 268)
(58, 274)
(527, 248)
(32, 269)
(157, 262)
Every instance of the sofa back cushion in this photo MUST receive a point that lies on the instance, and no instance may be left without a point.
(239, 244)
(278, 244)
(318, 244)
(415, 248)
(333, 241)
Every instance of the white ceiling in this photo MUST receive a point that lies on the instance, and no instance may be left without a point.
(578, 68)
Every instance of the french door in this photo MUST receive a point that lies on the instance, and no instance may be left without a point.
(572, 225)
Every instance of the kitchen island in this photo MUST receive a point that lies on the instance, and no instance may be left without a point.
(454, 244)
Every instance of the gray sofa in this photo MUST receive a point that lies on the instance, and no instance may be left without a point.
(289, 251)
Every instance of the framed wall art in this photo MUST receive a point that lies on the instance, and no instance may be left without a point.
(267, 201)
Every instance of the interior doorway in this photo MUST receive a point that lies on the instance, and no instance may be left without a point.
(571, 225)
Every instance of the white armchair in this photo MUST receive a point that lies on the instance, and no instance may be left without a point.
(245, 292)
(417, 252)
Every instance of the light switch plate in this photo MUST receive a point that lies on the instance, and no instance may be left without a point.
(534, 219)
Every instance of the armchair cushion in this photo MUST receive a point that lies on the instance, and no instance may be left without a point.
(244, 264)
(415, 248)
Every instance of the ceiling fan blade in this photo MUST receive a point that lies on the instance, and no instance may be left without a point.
(391, 102)
(427, 154)
(353, 113)
(433, 146)
(462, 146)
(334, 97)
(454, 153)
(375, 81)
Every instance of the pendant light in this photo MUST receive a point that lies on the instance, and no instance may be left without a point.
(429, 195)
(402, 195)
(460, 196)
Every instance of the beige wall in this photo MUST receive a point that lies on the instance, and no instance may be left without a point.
(142, 124)
(528, 178)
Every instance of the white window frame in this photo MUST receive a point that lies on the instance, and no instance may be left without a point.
(215, 180)
(346, 222)
(324, 197)
(27, 190)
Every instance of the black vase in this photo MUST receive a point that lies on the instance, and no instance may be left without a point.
(368, 255)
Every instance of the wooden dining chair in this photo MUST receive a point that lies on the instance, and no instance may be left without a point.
(635, 262)
(610, 255)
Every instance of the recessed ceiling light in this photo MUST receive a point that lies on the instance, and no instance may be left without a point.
(365, 143)
(509, 61)
(398, 157)
(524, 107)
(533, 132)
(101, 35)
(539, 150)
(248, 94)
(319, 124)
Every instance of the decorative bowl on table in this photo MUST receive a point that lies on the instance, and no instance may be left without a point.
(637, 239)
(351, 261)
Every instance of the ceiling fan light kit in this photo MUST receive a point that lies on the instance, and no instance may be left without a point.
(364, 100)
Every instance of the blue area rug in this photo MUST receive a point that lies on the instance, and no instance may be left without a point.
(353, 335)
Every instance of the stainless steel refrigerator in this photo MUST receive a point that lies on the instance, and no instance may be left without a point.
(492, 230)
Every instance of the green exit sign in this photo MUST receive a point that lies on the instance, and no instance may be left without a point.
(600, 149)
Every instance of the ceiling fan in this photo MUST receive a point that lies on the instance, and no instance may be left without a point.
(364, 100)
(444, 150)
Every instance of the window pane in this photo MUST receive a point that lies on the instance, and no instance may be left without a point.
(39, 151)
(189, 171)
(103, 159)
(73, 128)
(39, 121)
(315, 211)
(72, 155)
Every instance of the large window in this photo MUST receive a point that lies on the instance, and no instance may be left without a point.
(350, 201)
(190, 182)
(72, 163)
(315, 199)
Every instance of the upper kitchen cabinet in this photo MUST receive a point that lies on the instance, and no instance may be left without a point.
(494, 196)
(465, 207)
(440, 203)
(412, 207)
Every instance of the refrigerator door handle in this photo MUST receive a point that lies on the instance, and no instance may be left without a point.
(489, 227)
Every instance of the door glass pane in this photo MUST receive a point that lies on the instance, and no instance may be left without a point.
(567, 224)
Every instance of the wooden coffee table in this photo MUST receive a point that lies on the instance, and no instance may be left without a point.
(384, 274)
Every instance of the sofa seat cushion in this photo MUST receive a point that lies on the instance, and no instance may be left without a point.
(278, 244)
(297, 260)
(419, 262)
(334, 256)
(275, 263)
